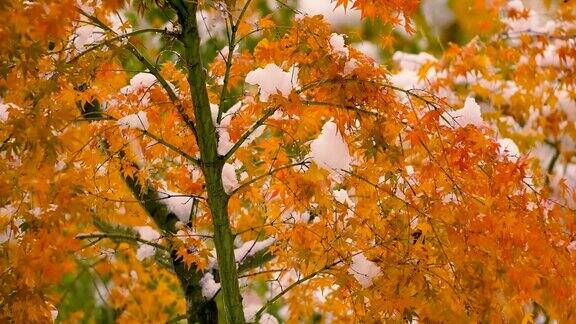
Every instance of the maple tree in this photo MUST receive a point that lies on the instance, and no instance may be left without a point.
(217, 161)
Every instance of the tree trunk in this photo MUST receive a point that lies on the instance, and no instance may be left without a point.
(224, 242)
(211, 166)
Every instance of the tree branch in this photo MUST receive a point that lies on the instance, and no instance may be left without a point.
(230, 58)
(249, 132)
(193, 160)
(112, 40)
(346, 107)
(123, 237)
(257, 260)
(267, 174)
(293, 285)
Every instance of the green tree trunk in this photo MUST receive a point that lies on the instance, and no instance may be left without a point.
(211, 165)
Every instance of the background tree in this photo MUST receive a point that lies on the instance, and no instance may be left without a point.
(239, 161)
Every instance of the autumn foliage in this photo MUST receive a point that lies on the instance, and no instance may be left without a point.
(241, 161)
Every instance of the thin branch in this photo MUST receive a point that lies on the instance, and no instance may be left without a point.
(112, 40)
(166, 196)
(409, 92)
(8, 138)
(230, 58)
(267, 174)
(260, 273)
(145, 132)
(552, 163)
(346, 107)
(123, 237)
(293, 285)
(250, 131)
(158, 139)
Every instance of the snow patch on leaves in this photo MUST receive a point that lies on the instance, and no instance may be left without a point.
(134, 121)
(412, 62)
(364, 270)
(224, 142)
(4, 110)
(369, 49)
(527, 19)
(516, 5)
(179, 204)
(408, 77)
(272, 79)
(139, 82)
(329, 150)
(250, 248)
(149, 234)
(267, 319)
(86, 35)
(338, 45)
(469, 115)
(509, 149)
(337, 17)
(405, 79)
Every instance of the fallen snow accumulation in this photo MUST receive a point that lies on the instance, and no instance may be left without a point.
(229, 180)
(87, 35)
(364, 270)
(516, 5)
(8, 212)
(469, 115)
(177, 203)
(209, 286)
(438, 14)
(412, 62)
(509, 149)
(369, 49)
(267, 319)
(342, 197)
(4, 110)
(408, 77)
(272, 79)
(250, 248)
(224, 142)
(338, 45)
(338, 17)
(135, 121)
(149, 234)
(406, 80)
(329, 150)
(139, 82)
